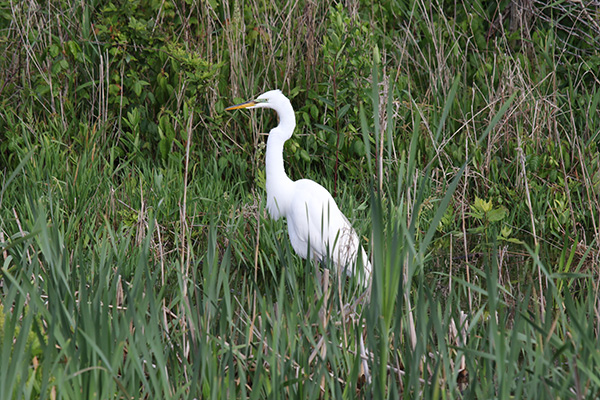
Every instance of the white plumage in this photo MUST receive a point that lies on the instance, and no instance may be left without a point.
(311, 213)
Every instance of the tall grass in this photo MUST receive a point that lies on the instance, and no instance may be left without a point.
(137, 257)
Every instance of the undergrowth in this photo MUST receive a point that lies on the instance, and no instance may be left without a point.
(461, 140)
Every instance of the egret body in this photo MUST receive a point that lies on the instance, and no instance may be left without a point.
(313, 217)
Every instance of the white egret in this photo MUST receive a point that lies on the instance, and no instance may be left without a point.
(313, 217)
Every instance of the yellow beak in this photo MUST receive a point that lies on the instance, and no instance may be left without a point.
(242, 105)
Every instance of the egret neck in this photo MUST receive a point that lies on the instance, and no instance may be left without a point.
(278, 184)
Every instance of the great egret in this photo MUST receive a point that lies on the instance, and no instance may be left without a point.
(313, 217)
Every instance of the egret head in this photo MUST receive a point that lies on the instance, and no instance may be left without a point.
(272, 99)
(275, 100)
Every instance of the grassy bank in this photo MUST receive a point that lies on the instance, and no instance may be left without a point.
(137, 257)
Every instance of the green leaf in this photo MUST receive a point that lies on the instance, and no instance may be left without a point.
(137, 88)
(496, 214)
(326, 128)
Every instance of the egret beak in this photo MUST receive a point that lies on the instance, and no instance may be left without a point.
(247, 104)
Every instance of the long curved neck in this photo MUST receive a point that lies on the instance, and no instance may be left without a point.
(274, 160)
(287, 119)
(278, 183)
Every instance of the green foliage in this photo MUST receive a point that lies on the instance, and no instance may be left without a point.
(136, 257)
